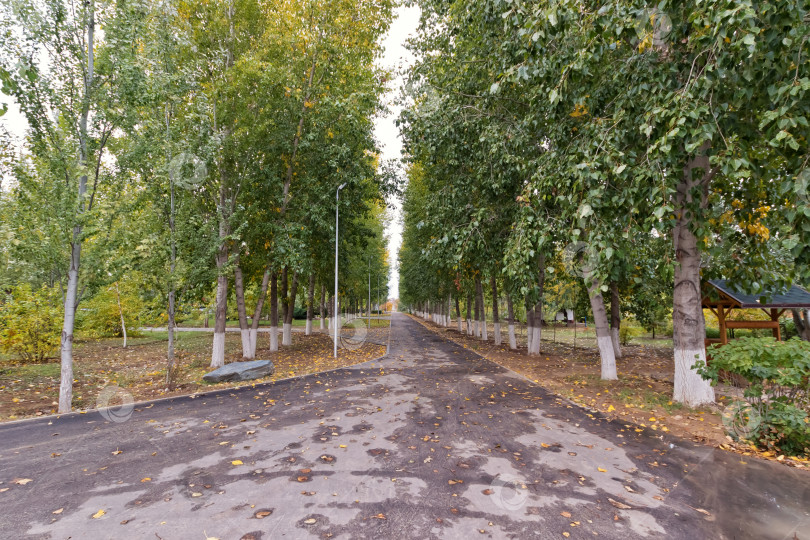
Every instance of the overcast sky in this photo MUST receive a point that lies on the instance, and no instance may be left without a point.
(394, 58)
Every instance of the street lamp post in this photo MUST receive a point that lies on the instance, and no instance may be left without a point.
(337, 217)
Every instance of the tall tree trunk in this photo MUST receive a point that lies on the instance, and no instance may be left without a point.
(121, 313)
(477, 323)
(218, 349)
(537, 327)
(510, 310)
(615, 319)
(254, 322)
(529, 325)
(283, 300)
(310, 303)
(469, 314)
(495, 319)
(323, 307)
(290, 312)
(274, 312)
(802, 326)
(689, 326)
(600, 322)
(239, 289)
(332, 315)
(72, 292)
(458, 315)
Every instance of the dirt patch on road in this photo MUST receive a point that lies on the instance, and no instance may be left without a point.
(140, 369)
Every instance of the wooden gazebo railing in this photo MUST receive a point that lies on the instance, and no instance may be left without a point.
(721, 298)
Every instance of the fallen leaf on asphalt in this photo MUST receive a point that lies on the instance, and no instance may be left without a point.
(306, 471)
(619, 505)
(487, 492)
(263, 514)
(57, 511)
(566, 534)
(565, 514)
(379, 516)
(628, 488)
(196, 494)
(701, 510)
(21, 481)
(147, 479)
(99, 514)
(303, 478)
(310, 521)
(600, 469)
(237, 462)
(117, 452)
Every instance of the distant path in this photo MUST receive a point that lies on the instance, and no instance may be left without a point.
(432, 441)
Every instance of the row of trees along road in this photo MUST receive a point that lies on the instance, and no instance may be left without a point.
(657, 145)
(195, 145)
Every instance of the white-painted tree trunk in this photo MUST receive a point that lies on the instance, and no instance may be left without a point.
(245, 335)
(309, 327)
(537, 337)
(689, 326)
(512, 337)
(286, 338)
(497, 332)
(511, 315)
(218, 350)
(252, 333)
(273, 338)
(600, 322)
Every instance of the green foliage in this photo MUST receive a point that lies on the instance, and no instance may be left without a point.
(101, 315)
(627, 333)
(777, 374)
(30, 322)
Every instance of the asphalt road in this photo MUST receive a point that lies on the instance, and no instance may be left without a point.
(431, 441)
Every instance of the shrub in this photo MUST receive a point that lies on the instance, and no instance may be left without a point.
(101, 316)
(776, 411)
(627, 333)
(31, 323)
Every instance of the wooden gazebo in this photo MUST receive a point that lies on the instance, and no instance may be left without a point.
(721, 298)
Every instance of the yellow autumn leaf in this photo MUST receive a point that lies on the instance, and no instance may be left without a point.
(99, 514)
(611, 408)
(600, 469)
(237, 462)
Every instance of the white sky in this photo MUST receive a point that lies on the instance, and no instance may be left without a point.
(386, 132)
(395, 56)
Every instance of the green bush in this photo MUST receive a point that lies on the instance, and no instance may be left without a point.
(627, 333)
(101, 316)
(776, 412)
(31, 323)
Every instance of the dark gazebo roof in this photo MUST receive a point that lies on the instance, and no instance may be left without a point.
(794, 298)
